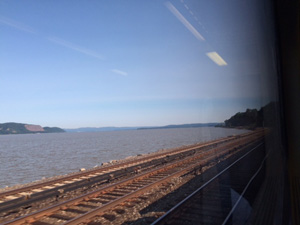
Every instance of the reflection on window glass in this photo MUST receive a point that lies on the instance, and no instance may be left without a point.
(205, 70)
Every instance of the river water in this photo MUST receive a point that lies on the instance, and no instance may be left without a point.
(28, 157)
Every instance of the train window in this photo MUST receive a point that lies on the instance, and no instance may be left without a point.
(173, 111)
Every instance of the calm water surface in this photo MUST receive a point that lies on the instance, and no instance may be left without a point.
(28, 157)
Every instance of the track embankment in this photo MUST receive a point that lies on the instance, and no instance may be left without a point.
(115, 192)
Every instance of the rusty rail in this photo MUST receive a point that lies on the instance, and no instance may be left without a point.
(184, 165)
(188, 202)
(86, 178)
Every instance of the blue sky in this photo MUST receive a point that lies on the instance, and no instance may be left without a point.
(130, 63)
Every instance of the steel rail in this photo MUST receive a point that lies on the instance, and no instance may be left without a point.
(44, 212)
(97, 211)
(101, 209)
(85, 178)
(189, 197)
(35, 216)
(103, 169)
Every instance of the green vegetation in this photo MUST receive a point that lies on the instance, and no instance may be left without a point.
(53, 130)
(13, 128)
(252, 118)
(21, 128)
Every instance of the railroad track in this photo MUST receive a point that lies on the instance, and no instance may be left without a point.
(12, 199)
(85, 207)
(223, 198)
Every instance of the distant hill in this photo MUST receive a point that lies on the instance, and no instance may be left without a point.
(21, 128)
(183, 126)
(98, 129)
(53, 130)
(253, 118)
